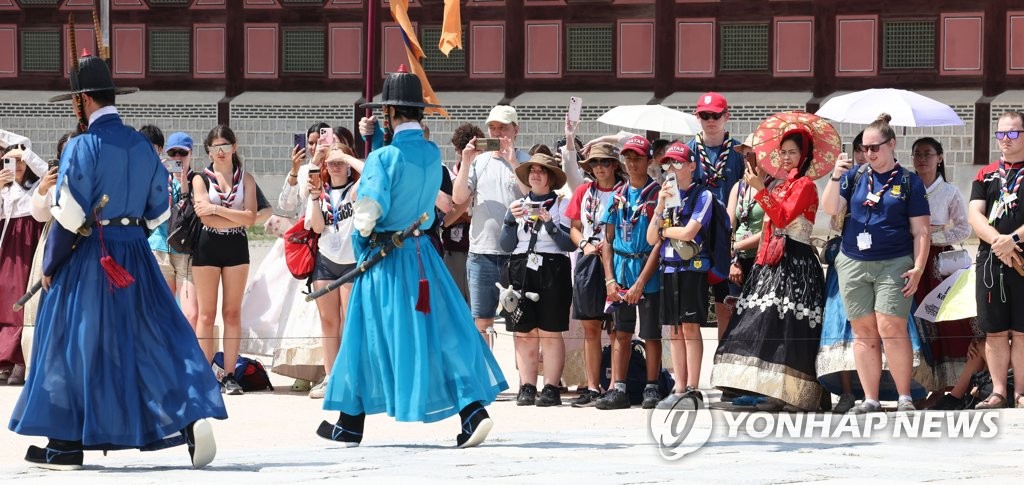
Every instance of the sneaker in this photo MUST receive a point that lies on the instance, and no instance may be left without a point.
(651, 398)
(613, 399)
(947, 403)
(905, 406)
(771, 405)
(846, 402)
(687, 401)
(866, 407)
(476, 423)
(201, 446)
(17, 377)
(229, 386)
(549, 396)
(527, 395)
(54, 459)
(318, 391)
(588, 399)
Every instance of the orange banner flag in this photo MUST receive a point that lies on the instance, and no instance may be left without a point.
(413, 51)
(451, 27)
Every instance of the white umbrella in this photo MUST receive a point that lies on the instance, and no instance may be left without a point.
(906, 108)
(652, 117)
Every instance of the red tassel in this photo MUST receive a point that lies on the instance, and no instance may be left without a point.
(116, 274)
(423, 302)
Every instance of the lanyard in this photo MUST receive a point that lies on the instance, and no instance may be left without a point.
(1009, 188)
(873, 198)
(716, 171)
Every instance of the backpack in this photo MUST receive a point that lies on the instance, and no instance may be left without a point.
(184, 225)
(636, 373)
(719, 235)
(249, 373)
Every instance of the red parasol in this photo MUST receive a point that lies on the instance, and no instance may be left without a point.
(768, 137)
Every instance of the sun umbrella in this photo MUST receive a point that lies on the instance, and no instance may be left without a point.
(769, 133)
(652, 117)
(906, 108)
(952, 299)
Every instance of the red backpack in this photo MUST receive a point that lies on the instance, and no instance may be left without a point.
(300, 247)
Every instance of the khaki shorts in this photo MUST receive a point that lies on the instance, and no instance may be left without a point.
(873, 286)
(177, 267)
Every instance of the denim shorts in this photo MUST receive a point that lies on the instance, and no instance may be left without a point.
(483, 271)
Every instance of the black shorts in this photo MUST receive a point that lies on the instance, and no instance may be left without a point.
(325, 269)
(684, 298)
(1001, 307)
(722, 289)
(552, 283)
(221, 250)
(650, 326)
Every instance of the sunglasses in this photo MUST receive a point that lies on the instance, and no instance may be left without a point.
(710, 116)
(177, 153)
(1012, 135)
(676, 165)
(218, 149)
(603, 162)
(876, 147)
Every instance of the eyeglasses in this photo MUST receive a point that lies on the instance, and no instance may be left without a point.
(876, 147)
(1012, 135)
(710, 116)
(676, 165)
(335, 163)
(603, 162)
(218, 149)
(174, 152)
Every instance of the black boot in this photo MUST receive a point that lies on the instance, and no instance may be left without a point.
(347, 431)
(201, 445)
(58, 455)
(476, 423)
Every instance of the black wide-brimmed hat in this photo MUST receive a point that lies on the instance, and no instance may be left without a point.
(401, 88)
(93, 75)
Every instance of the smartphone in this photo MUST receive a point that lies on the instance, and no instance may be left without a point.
(300, 140)
(534, 208)
(10, 164)
(172, 165)
(750, 159)
(52, 163)
(673, 200)
(488, 144)
(326, 137)
(575, 108)
(314, 177)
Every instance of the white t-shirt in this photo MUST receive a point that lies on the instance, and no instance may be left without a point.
(494, 186)
(545, 243)
(336, 240)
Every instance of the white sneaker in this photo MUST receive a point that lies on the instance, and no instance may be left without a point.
(318, 391)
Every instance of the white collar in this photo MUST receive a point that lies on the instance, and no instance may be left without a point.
(938, 181)
(408, 125)
(106, 110)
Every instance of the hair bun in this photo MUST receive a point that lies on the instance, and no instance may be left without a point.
(884, 117)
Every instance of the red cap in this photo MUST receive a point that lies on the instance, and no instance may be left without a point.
(711, 103)
(639, 145)
(678, 151)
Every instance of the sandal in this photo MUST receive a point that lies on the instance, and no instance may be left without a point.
(301, 385)
(994, 401)
(1018, 401)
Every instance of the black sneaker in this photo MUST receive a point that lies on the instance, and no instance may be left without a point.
(549, 396)
(588, 399)
(947, 403)
(347, 431)
(230, 386)
(613, 399)
(476, 423)
(55, 457)
(527, 395)
(201, 446)
(651, 398)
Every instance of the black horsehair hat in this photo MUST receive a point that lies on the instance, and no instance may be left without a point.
(92, 75)
(401, 88)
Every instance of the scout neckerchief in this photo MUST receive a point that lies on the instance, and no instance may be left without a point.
(873, 198)
(745, 204)
(593, 205)
(716, 171)
(546, 204)
(647, 200)
(339, 212)
(236, 178)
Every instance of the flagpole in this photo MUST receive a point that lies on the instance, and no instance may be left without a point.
(371, 61)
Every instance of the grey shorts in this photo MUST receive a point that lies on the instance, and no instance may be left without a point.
(873, 286)
(176, 267)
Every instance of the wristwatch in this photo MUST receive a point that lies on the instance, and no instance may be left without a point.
(835, 179)
(1015, 237)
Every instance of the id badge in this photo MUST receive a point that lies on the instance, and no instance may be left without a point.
(996, 212)
(534, 261)
(627, 231)
(864, 241)
(456, 234)
(1009, 198)
(669, 252)
(873, 198)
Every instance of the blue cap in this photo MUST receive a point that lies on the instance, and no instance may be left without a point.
(179, 139)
